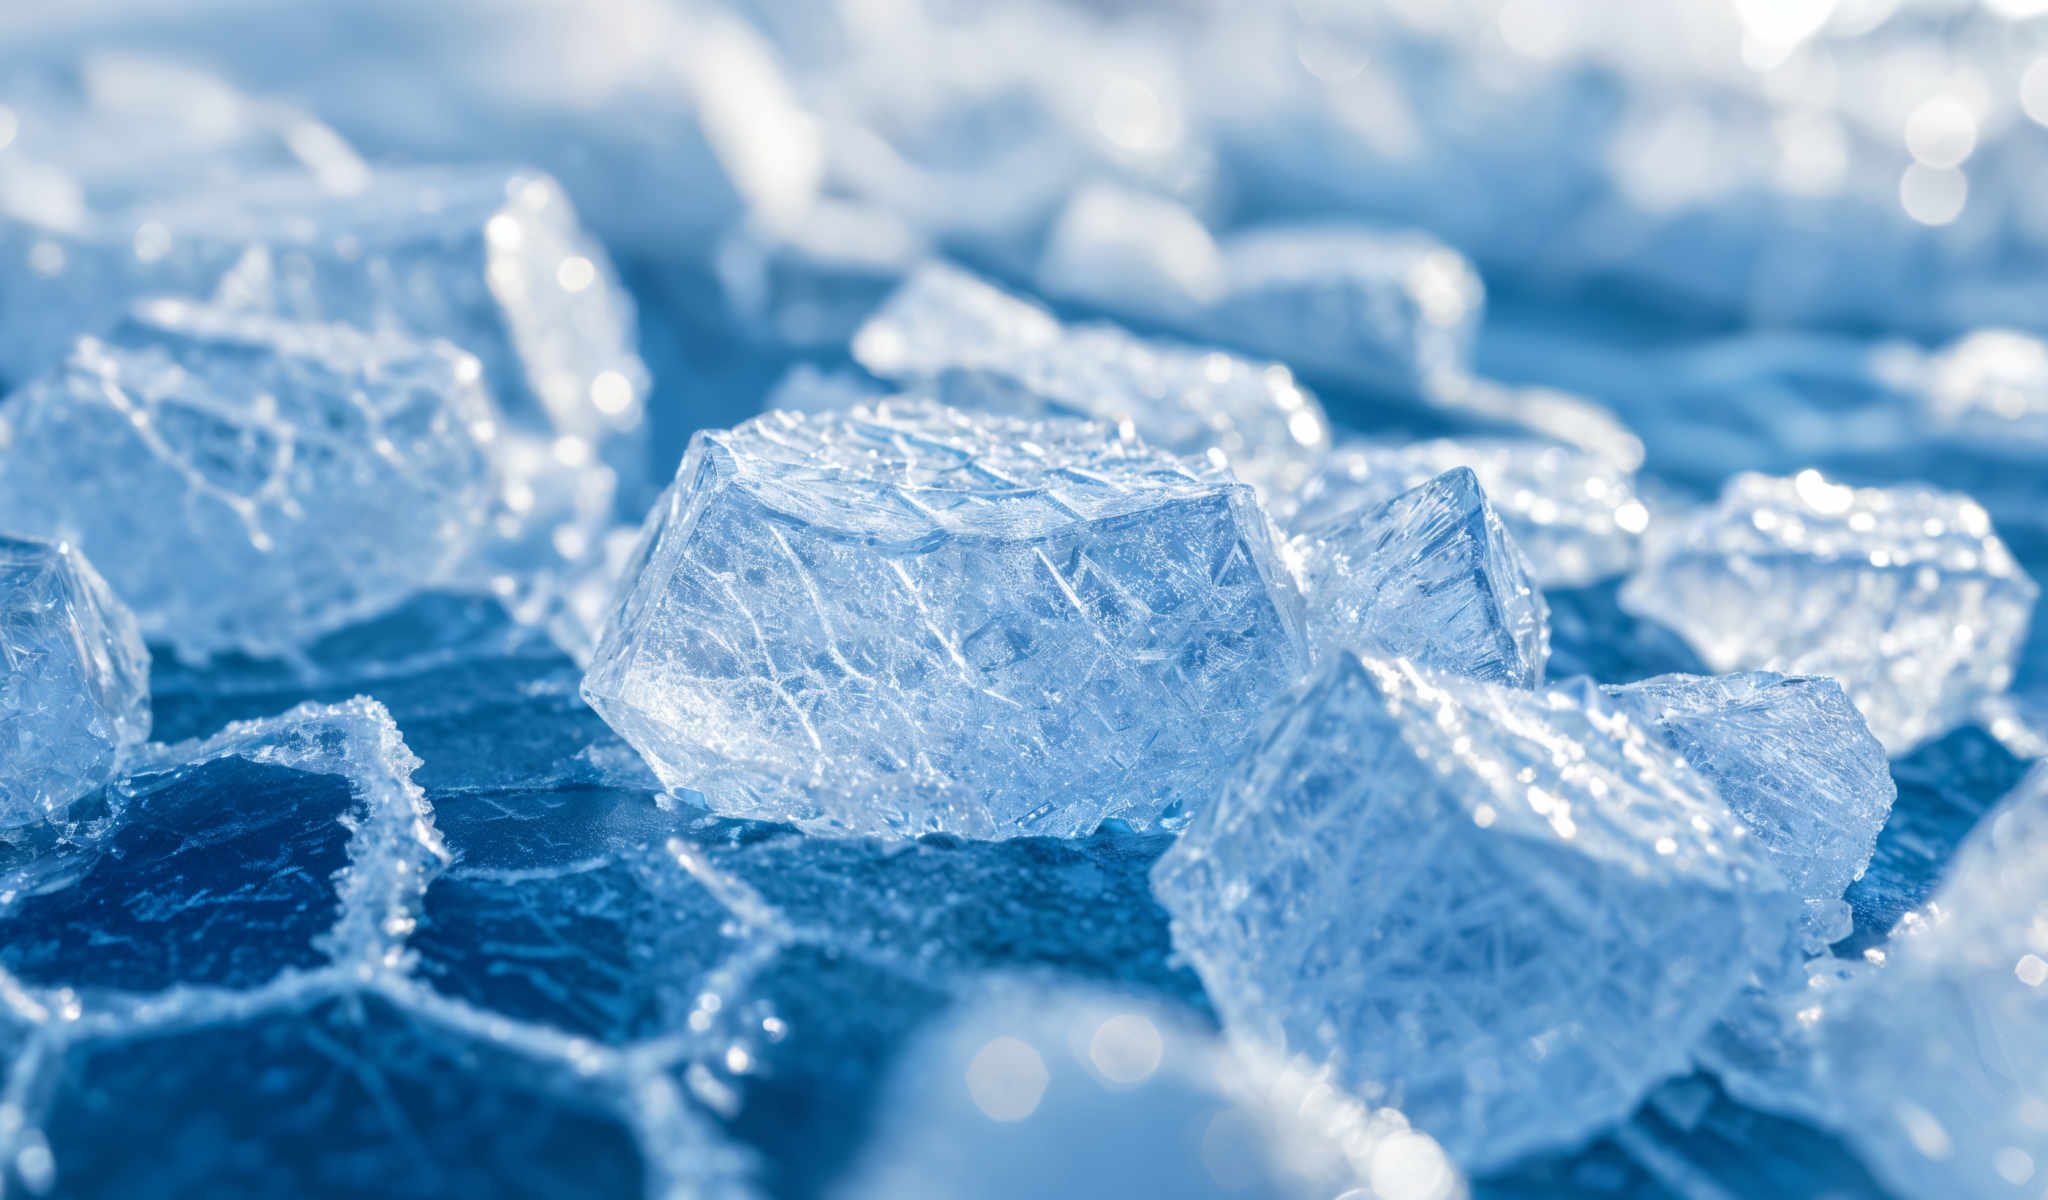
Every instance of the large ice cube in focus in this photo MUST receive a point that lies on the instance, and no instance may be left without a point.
(978, 347)
(74, 694)
(1431, 576)
(490, 258)
(1508, 913)
(1793, 759)
(1937, 1067)
(1904, 594)
(1027, 1092)
(1574, 514)
(250, 482)
(905, 618)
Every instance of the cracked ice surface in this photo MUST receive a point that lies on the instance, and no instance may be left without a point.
(1904, 594)
(1793, 759)
(253, 483)
(978, 347)
(1432, 576)
(1574, 514)
(1029, 1091)
(1932, 1066)
(74, 699)
(907, 619)
(1416, 878)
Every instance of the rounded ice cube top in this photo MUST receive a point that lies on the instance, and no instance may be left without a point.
(74, 695)
(250, 483)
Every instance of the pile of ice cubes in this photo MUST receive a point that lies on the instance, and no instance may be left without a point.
(849, 600)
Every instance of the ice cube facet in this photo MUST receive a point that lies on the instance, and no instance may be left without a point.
(978, 347)
(1431, 576)
(1574, 514)
(252, 482)
(905, 618)
(1795, 762)
(74, 697)
(1508, 913)
(1905, 595)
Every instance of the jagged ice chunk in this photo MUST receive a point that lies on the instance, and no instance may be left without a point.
(1905, 595)
(74, 680)
(904, 618)
(1431, 576)
(1574, 514)
(1507, 913)
(978, 347)
(1795, 762)
(250, 482)
(1026, 1091)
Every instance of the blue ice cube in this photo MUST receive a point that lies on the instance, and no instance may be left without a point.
(1794, 760)
(1432, 576)
(1029, 1091)
(250, 482)
(1904, 594)
(813, 280)
(978, 347)
(74, 699)
(908, 619)
(1508, 913)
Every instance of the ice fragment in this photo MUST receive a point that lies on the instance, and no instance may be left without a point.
(906, 619)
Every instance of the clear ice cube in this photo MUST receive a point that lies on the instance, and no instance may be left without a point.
(1508, 913)
(74, 698)
(1905, 594)
(905, 619)
(1430, 575)
(252, 482)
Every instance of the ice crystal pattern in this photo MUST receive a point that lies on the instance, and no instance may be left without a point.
(907, 619)
(1463, 897)
(1904, 594)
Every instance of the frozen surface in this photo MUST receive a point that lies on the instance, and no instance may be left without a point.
(1430, 575)
(74, 699)
(1574, 514)
(1028, 1091)
(250, 482)
(1092, 625)
(1905, 595)
(1794, 760)
(1508, 913)
(1935, 1066)
(978, 347)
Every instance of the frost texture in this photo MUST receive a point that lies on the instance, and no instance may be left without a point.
(980, 348)
(907, 619)
(1508, 913)
(1904, 594)
(1025, 1091)
(1935, 1067)
(1793, 759)
(1431, 576)
(252, 483)
(74, 693)
(1574, 514)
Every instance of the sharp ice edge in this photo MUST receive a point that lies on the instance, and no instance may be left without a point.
(974, 346)
(1430, 575)
(1122, 1072)
(1575, 515)
(1905, 594)
(1275, 894)
(826, 536)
